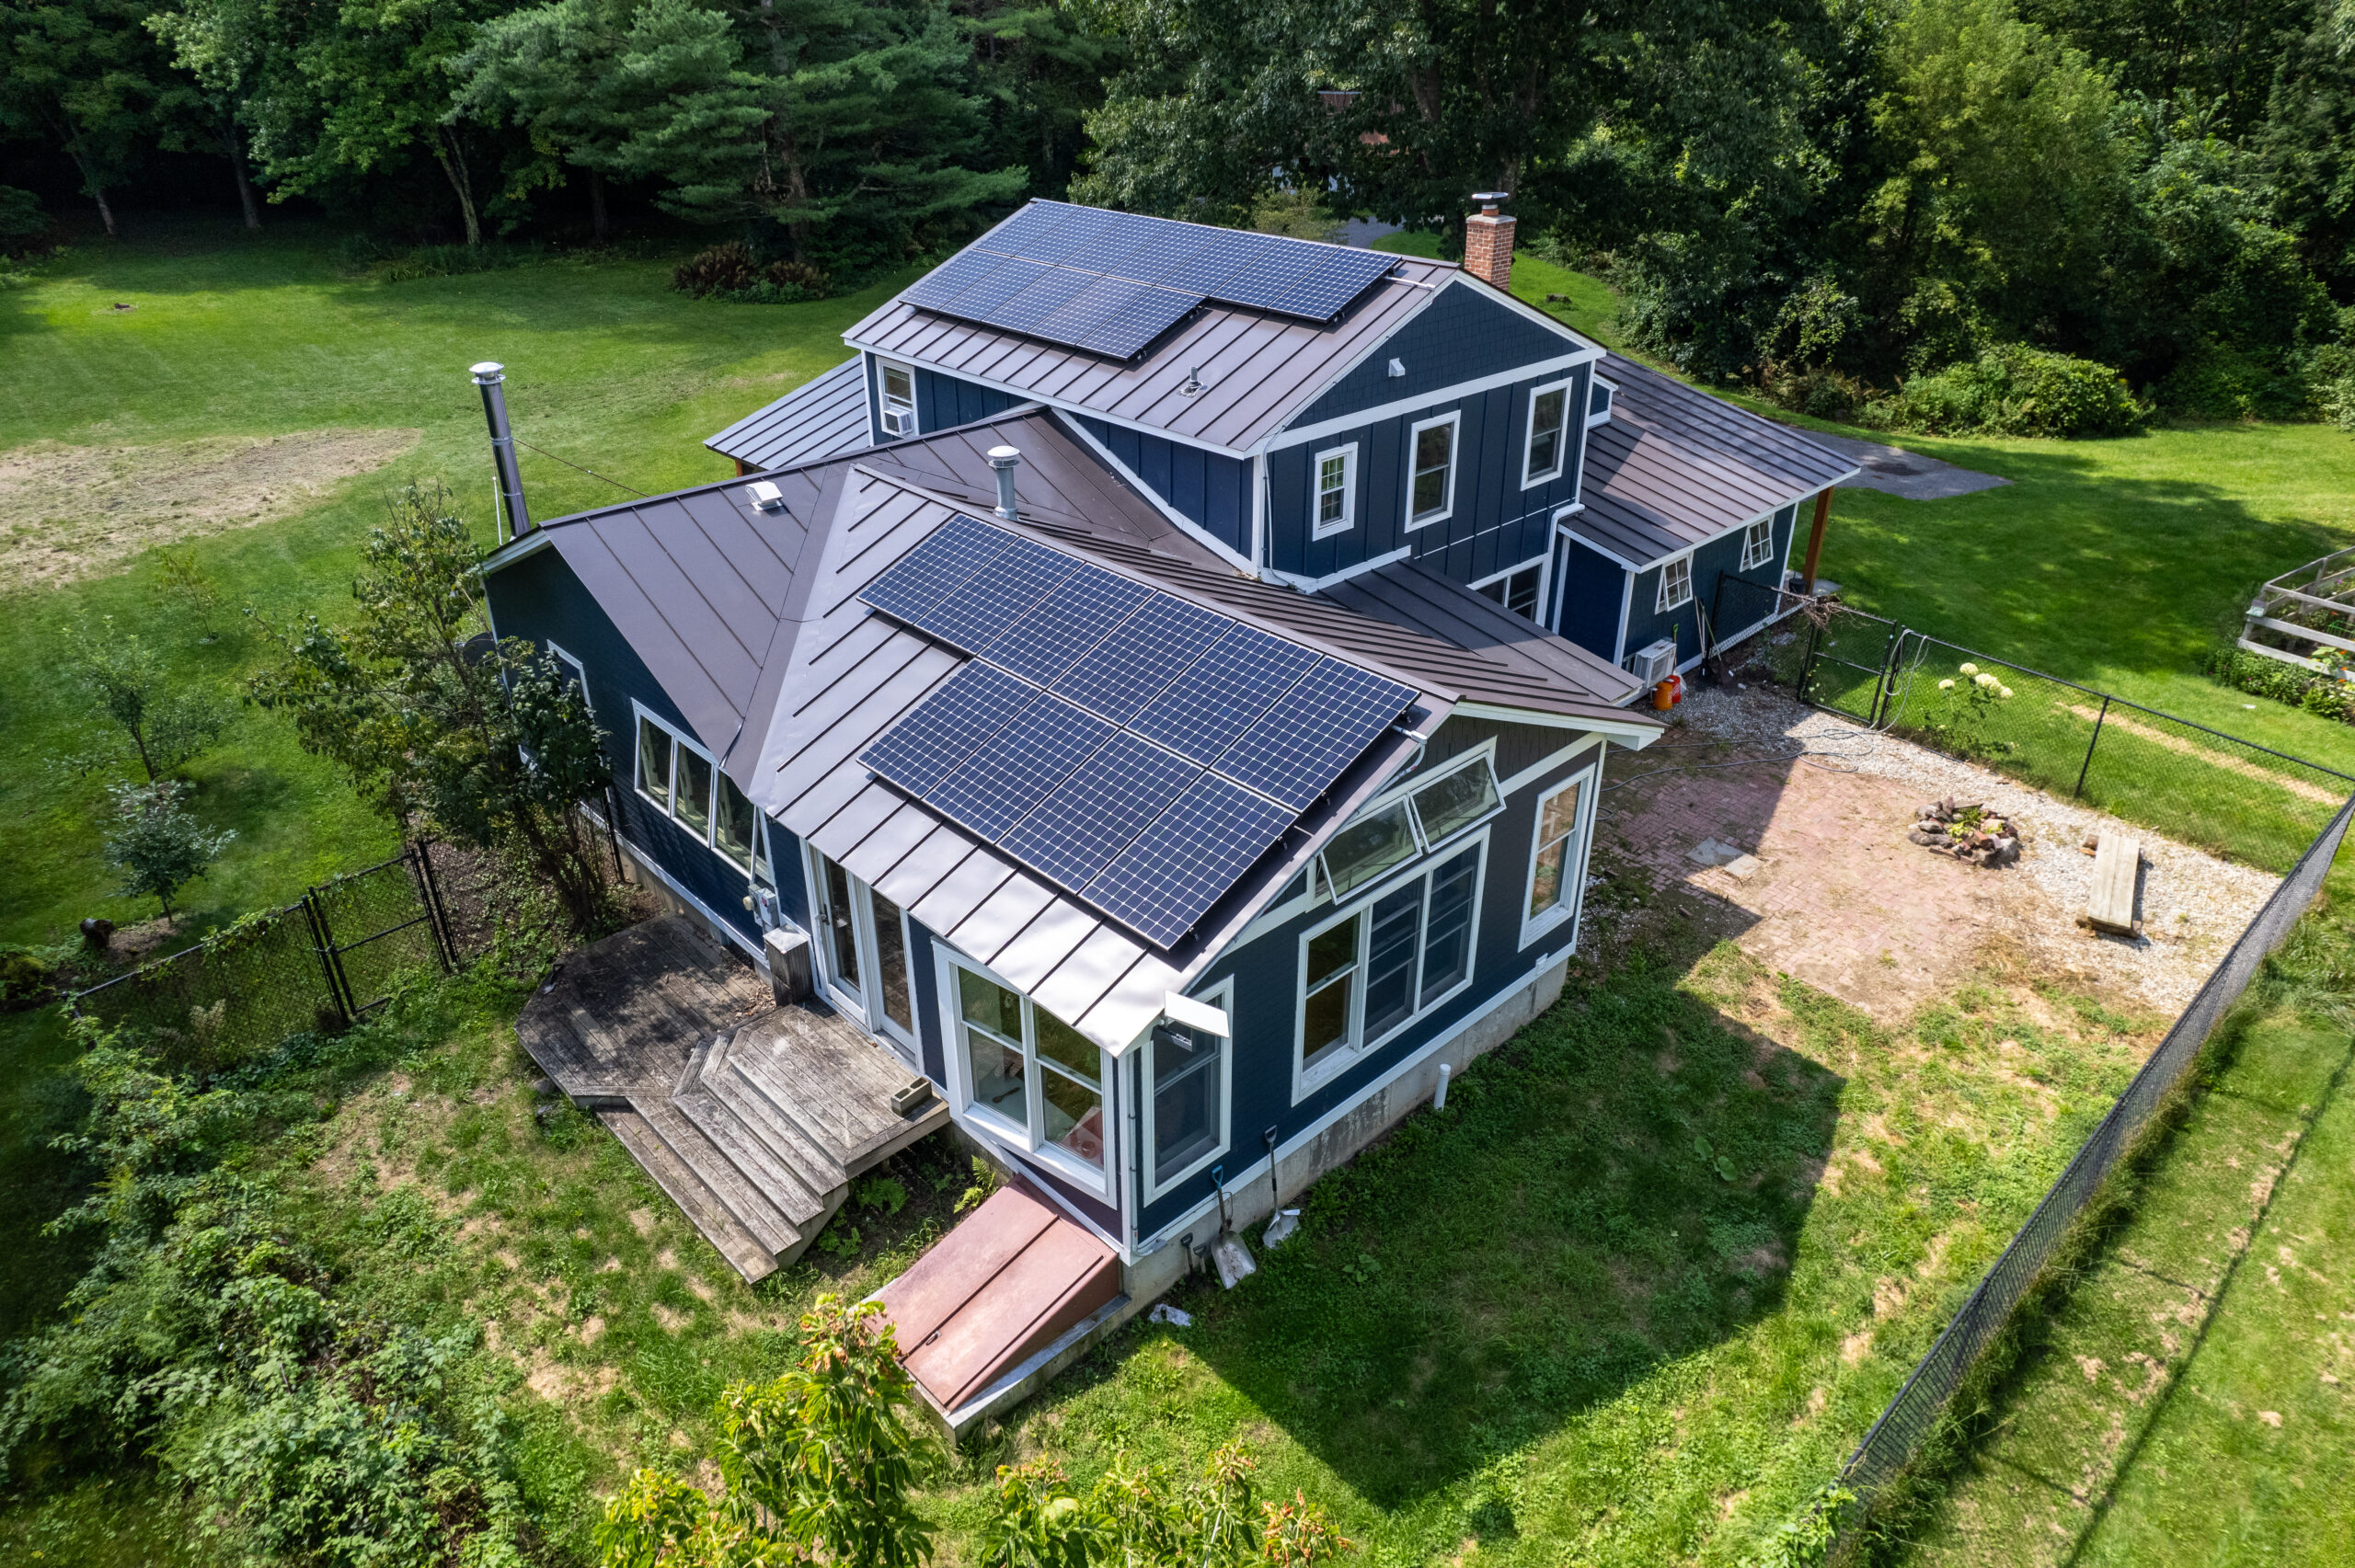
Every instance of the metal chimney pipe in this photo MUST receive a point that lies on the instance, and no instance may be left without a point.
(491, 376)
(1006, 460)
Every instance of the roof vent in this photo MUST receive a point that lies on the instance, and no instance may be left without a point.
(765, 496)
(1193, 383)
(1006, 460)
(1398, 369)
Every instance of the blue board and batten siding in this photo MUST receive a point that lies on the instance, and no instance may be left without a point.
(1720, 557)
(539, 600)
(1208, 490)
(1495, 522)
(1266, 972)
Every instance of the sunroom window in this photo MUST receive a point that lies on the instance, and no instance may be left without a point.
(680, 780)
(1517, 592)
(1551, 897)
(1031, 1076)
(1188, 1076)
(1365, 849)
(1372, 970)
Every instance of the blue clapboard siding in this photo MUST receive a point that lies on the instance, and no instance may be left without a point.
(1268, 980)
(1208, 490)
(540, 600)
(1720, 557)
(1495, 522)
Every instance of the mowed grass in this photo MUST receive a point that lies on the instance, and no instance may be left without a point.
(255, 336)
(2191, 1401)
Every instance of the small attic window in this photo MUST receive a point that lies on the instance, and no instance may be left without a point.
(1599, 401)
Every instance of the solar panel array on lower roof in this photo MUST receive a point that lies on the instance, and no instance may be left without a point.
(1137, 750)
(1111, 282)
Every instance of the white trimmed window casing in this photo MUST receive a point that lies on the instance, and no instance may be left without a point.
(1333, 487)
(700, 800)
(1676, 584)
(1221, 1075)
(1560, 830)
(1430, 485)
(984, 1104)
(1548, 427)
(1758, 544)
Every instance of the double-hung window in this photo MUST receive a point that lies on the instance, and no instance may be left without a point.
(1189, 1069)
(1337, 472)
(1369, 970)
(678, 778)
(897, 385)
(1758, 544)
(1676, 584)
(1518, 590)
(1598, 403)
(1430, 471)
(570, 670)
(1555, 860)
(1549, 421)
(1030, 1078)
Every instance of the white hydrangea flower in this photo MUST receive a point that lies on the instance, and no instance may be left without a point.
(2005, 692)
(1945, 685)
(1971, 669)
(1985, 680)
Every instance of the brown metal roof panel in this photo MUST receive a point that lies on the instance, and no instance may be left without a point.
(678, 600)
(711, 709)
(708, 552)
(822, 417)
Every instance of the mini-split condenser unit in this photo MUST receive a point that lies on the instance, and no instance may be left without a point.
(1656, 663)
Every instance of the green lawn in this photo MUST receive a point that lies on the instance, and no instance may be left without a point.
(2189, 1402)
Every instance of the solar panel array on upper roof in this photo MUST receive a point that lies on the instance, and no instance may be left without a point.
(1141, 752)
(1111, 282)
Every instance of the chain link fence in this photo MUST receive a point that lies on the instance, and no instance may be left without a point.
(2196, 784)
(1903, 1435)
(331, 956)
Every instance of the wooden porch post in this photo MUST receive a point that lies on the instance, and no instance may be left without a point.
(1815, 539)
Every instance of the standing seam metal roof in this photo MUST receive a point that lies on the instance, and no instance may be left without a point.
(824, 417)
(1674, 468)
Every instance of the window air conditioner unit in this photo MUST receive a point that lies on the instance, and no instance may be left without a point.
(899, 422)
(1655, 664)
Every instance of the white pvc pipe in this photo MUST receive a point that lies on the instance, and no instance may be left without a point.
(1438, 1095)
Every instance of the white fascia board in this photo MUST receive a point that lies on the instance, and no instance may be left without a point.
(1454, 393)
(514, 551)
(1733, 528)
(1171, 514)
(1635, 736)
(1317, 585)
(1031, 394)
(1545, 765)
(1613, 556)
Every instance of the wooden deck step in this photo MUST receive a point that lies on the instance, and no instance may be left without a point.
(830, 1080)
(748, 1134)
(744, 1251)
(723, 1177)
(811, 1168)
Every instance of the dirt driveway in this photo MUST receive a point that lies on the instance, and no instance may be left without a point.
(1827, 890)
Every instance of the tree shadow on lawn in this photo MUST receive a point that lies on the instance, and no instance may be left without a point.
(2074, 567)
(1622, 1183)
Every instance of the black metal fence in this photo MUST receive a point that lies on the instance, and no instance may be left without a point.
(333, 955)
(2196, 784)
(1897, 1440)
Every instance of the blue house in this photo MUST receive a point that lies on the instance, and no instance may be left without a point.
(1170, 726)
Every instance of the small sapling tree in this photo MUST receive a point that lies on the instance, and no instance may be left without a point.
(815, 1467)
(156, 844)
(158, 721)
(436, 722)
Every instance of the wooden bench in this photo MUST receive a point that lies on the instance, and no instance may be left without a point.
(2118, 860)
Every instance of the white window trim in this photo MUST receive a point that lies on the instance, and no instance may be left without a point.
(1751, 562)
(1454, 418)
(1349, 456)
(1024, 1141)
(1573, 876)
(710, 839)
(866, 1005)
(1544, 565)
(1221, 996)
(1531, 479)
(884, 401)
(1305, 1081)
(1661, 603)
(579, 671)
(1610, 402)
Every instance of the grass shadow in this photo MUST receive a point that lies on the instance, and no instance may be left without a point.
(1622, 1185)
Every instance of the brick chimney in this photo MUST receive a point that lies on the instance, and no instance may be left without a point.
(1487, 240)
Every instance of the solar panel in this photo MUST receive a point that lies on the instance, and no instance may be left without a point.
(1020, 766)
(1075, 832)
(935, 568)
(1028, 275)
(1187, 859)
(1144, 654)
(1310, 736)
(936, 736)
(993, 599)
(1224, 693)
(1055, 635)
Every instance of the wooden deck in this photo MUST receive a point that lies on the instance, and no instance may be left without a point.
(753, 1117)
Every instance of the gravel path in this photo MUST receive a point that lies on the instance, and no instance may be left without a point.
(2193, 905)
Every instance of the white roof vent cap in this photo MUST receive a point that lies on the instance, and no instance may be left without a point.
(765, 496)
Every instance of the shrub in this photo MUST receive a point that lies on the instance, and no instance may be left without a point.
(2299, 687)
(2217, 381)
(22, 223)
(800, 275)
(157, 845)
(723, 270)
(1818, 391)
(457, 261)
(2014, 390)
